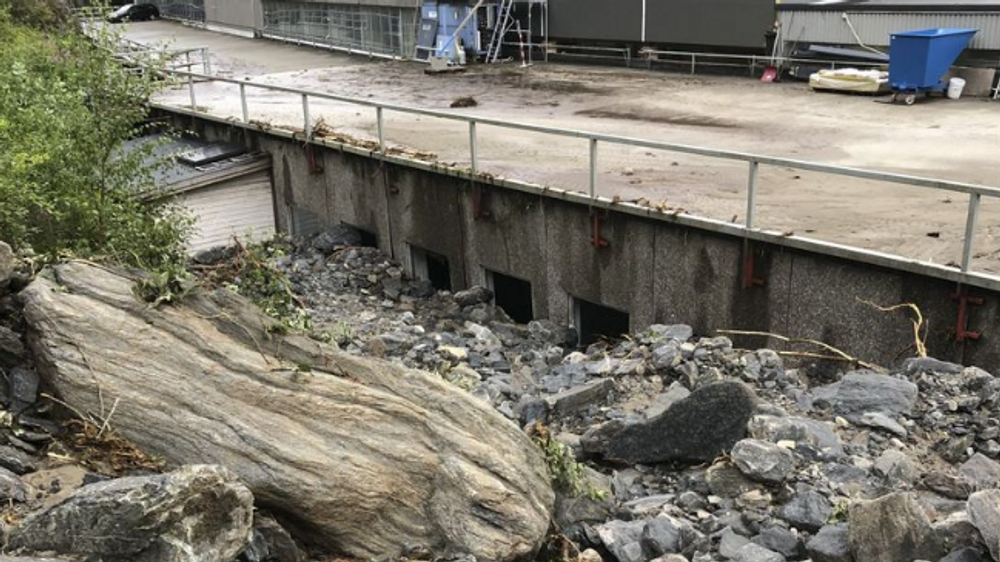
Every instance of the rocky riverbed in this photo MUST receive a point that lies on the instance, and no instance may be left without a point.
(690, 449)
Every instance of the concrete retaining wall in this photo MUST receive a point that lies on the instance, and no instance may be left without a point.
(655, 269)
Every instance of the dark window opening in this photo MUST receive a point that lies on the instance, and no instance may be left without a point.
(432, 267)
(594, 321)
(368, 238)
(513, 295)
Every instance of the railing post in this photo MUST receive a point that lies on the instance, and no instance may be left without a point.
(751, 192)
(306, 127)
(692, 63)
(970, 231)
(380, 124)
(243, 102)
(593, 168)
(194, 105)
(206, 62)
(473, 156)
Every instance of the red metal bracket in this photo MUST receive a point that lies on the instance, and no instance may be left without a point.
(479, 207)
(962, 333)
(596, 225)
(315, 168)
(749, 277)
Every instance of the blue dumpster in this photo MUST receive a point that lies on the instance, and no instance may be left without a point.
(919, 59)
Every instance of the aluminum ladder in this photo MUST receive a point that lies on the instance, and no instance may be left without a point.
(500, 30)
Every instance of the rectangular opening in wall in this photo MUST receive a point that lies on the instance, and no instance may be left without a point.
(511, 294)
(368, 238)
(430, 266)
(594, 321)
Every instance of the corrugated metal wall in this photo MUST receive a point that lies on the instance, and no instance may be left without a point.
(717, 23)
(384, 30)
(597, 20)
(187, 10)
(874, 28)
(245, 14)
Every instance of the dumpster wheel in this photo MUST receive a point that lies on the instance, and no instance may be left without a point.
(910, 99)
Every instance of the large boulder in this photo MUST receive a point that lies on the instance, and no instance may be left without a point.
(892, 528)
(704, 425)
(366, 457)
(198, 513)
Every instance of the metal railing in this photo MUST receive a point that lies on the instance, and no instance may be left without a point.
(752, 61)
(975, 192)
(192, 57)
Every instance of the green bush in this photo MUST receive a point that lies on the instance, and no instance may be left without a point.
(66, 107)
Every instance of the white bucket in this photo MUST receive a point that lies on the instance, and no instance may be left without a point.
(955, 87)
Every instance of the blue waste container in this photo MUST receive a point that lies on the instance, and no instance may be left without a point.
(919, 59)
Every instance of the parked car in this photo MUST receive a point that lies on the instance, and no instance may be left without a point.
(134, 12)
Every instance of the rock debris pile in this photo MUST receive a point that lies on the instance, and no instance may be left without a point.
(705, 452)
(681, 447)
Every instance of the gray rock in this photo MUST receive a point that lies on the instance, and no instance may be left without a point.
(7, 264)
(984, 513)
(676, 332)
(957, 531)
(580, 397)
(667, 356)
(664, 558)
(198, 513)
(892, 528)
(12, 351)
(473, 296)
(23, 388)
(752, 552)
(895, 466)
(17, 461)
(949, 486)
(807, 511)
(860, 392)
(879, 420)
(803, 431)
(730, 543)
(700, 427)
(661, 535)
(549, 332)
(571, 510)
(964, 555)
(981, 472)
(830, 544)
(335, 238)
(917, 365)
(726, 481)
(12, 488)
(649, 505)
(665, 400)
(782, 541)
(623, 539)
(270, 542)
(382, 457)
(762, 461)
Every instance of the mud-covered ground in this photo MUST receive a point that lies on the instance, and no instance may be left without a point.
(953, 140)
